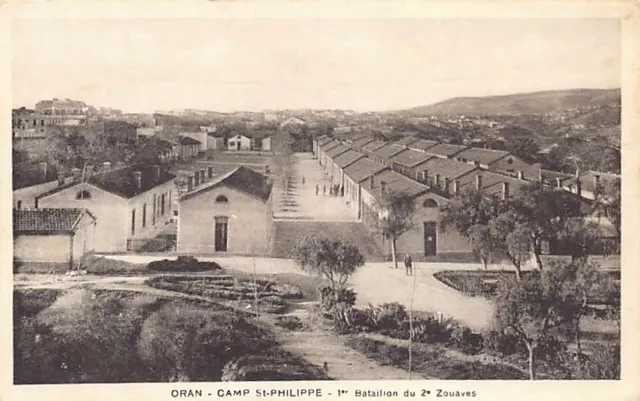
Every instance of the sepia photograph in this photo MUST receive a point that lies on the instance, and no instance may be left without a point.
(315, 199)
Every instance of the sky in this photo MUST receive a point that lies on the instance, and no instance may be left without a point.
(145, 65)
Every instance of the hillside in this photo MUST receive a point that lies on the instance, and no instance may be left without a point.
(524, 103)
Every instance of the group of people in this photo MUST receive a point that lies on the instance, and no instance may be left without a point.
(334, 190)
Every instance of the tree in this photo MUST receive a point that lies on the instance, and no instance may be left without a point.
(396, 218)
(608, 202)
(484, 244)
(332, 259)
(522, 145)
(336, 261)
(541, 211)
(512, 238)
(470, 214)
(530, 308)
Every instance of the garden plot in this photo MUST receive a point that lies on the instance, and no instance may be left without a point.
(271, 297)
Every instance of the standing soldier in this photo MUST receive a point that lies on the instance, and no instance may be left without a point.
(317, 189)
(324, 190)
(303, 181)
(408, 265)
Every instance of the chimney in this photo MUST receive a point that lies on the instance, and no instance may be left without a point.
(197, 179)
(478, 182)
(456, 187)
(156, 173)
(60, 178)
(540, 174)
(558, 182)
(210, 171)
(372, 182)
(189, 184)
(520, 175)
(579, 188)
(425, 176)
(106, 166)
(383, 187)
(596, 180)
(203, 177)
(505, 190)
(446, 185)
(137, 175)
(437, 180)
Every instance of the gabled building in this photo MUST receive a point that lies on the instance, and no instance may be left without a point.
(131, 204)
(446, 150)
(200, 136)
(586, 183)
(341, 162)
(489, 159)
(324, 148)
(331, 154)
(239, 142)
(354, 174)
(406, 140)
(189, 147)
(422, 145)
(231, 214)
(53, 236)
(384, 154)
(406, 162)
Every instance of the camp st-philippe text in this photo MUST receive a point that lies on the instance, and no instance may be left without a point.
(320, 393)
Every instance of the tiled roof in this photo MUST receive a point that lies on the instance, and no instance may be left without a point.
(394, 182)
(446, 149)
(363, 141)
(185, 140)
(410, 158)
(329, 145)
(347, 158)
(122, 182)
(483, 156)
(491, 182)
(46, 221)
(389, 150)
(337, 151)
(363, 169)
(324, 140)
(406, 140)
(243, 179)
(446, 168)
(357, 137)
(588, 180)
(371, 146)
(422, 144)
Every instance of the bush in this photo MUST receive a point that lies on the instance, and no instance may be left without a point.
(500, 344)
(182, 264)
(430, 330)
(602, 364)
(346, 296)
(104, 266)
(388, 316)
(290, 323)
(465, 340)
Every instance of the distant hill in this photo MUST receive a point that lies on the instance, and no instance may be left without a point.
(524, 103)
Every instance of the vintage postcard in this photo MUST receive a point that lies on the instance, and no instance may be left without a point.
(388, 201)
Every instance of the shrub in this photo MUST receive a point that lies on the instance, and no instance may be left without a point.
(182, 264)
(280, 367)
(602, 364)
(549, 347)
(500, 344)
(286, 290)
(99, 265)
(465, 340)
(431, 330)
(290, 323)
(389, 316)
(346, 296)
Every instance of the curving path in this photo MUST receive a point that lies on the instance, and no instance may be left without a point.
(377, 283)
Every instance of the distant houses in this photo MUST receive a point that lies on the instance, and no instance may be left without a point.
(231, 214)
(189, 147)
(130, 204)
(53, 236)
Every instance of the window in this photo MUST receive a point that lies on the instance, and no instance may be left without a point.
(510, 160)
(222, 199)
(84, 194)
(144, 215)
(162, 205)
(133, 222)
(19, 205)
(153, 215)
(430, 203)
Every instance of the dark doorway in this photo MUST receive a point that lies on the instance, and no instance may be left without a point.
(221, 234)
(239, 144)
(430, 240)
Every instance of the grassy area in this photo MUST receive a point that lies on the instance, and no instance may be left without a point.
(83, 336)
(432, 361)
